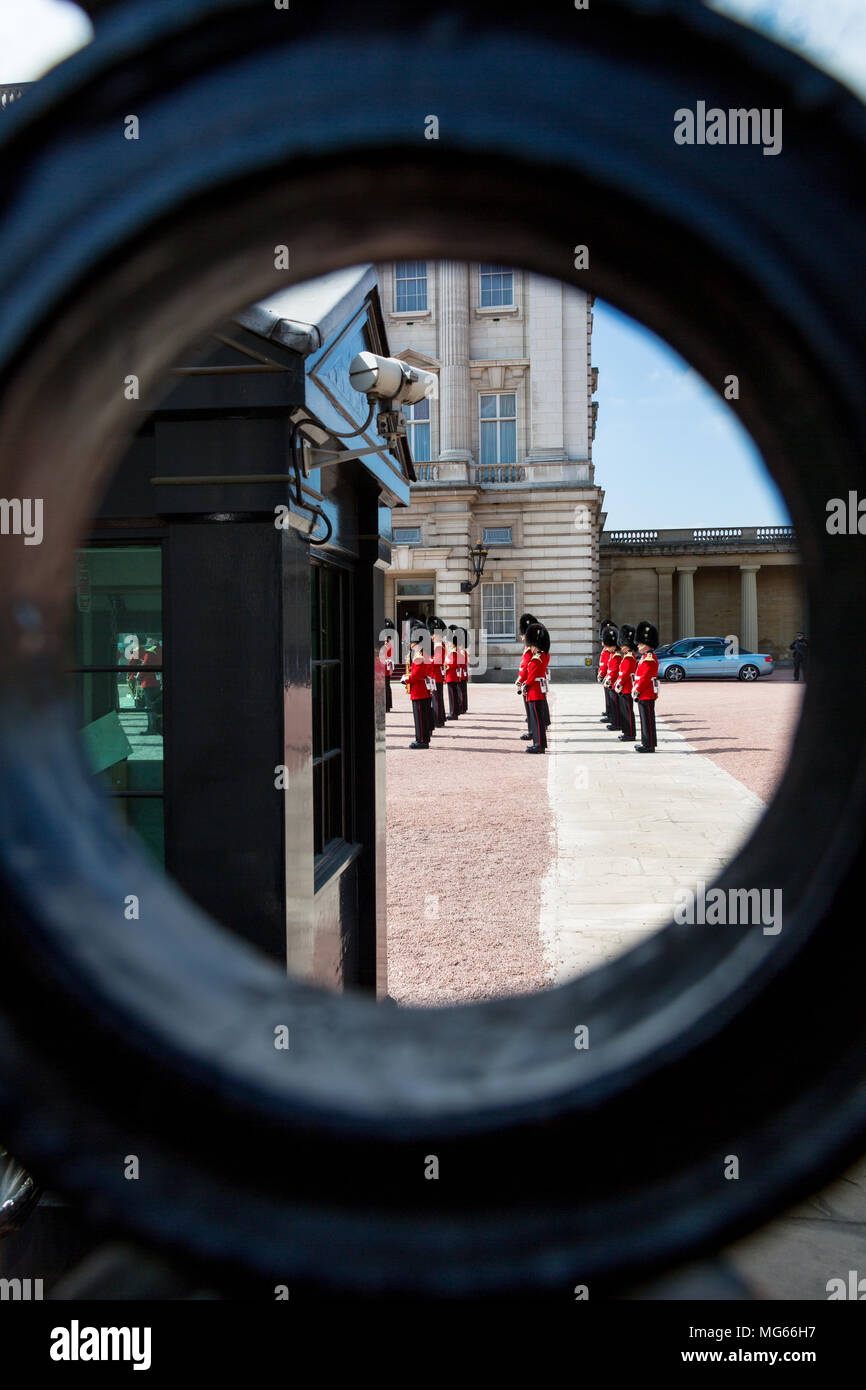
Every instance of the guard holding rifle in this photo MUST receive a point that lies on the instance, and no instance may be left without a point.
(646, 685)
(608, 636)
(535, 685)
(623, 684)
(417, 683)
(389, 646)
(526, 619)
(463, 668)
(437, 631)
(452, 674)
(610, 680)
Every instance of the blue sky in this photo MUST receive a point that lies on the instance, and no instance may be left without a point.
(668, 450)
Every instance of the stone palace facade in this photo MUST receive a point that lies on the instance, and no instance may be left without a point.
(503, 455)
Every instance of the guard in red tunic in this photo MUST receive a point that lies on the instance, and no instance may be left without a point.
(535, 685)
(525, 620)
(389, 647)
(416, 683)
(462, 668)
(437, 630)
(452, 675)
(645, 686)
(610, 681)
(546, 655)
(623, 683)
(608, 635)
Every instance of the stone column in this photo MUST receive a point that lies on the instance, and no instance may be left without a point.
(686, 604)
(749, 607)
(666, 603)
(455, 424)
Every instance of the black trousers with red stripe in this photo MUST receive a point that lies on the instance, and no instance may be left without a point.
(453, 699)
(421, 715)
(526, 711)
(626, 715)
(388, 701)
(464, 696)
(612, 708)
(538, 721)
(647, 710)
(440, 705)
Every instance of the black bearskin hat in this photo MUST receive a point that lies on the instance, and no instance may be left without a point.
(604, 625)
(538, 636)
(609, 636)
(648, 634)
(389, 624)
(625, 636)
(523, 624)
(435, 625)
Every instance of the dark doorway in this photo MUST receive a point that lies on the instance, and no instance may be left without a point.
(413, 609)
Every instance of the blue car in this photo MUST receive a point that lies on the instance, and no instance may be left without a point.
(711, 657)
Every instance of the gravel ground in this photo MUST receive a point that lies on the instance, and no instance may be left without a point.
(745, 727)
(471, 830)
(470, 837)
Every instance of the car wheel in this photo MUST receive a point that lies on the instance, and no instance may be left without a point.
(748, 673)
(675, 673)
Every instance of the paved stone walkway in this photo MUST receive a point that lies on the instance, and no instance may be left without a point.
(618, 834)
(629, 830)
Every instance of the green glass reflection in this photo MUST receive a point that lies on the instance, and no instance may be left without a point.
(118, 624)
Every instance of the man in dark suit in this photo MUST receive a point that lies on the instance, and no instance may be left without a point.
(800, 649)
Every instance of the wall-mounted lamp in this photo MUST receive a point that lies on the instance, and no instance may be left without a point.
(478, 555)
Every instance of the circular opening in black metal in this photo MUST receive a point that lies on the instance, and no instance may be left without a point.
(151, 255)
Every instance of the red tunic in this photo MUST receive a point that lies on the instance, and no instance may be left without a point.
(602, 663)
(646, 684)
(431, 679)
(536, 684)
(452, 671)
(524, 662)
(624, 679)
(439, 663)
(416, 681)
(613, 667)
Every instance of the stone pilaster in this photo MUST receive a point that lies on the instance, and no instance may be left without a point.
(749, 607)
(546, 385)
(686, 600)
(666, 602)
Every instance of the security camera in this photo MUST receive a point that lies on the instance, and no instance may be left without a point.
(389, 379)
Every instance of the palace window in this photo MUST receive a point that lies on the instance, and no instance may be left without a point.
(410, 287)
(497, 611)
(407, 535)
(497, 535)
(497, 286)
(418, 429)
(498, 428)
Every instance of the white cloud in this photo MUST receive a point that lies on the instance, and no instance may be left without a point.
(37, 34)
(831, 33)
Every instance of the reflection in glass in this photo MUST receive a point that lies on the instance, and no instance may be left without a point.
(119, 679)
